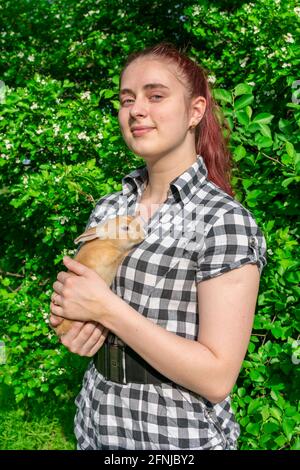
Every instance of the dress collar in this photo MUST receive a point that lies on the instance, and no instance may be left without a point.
(183, 185)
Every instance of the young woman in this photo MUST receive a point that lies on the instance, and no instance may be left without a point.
(180, 310)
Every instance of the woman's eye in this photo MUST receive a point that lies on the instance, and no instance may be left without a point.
(129, 100)
(125, 227)
(125, 101)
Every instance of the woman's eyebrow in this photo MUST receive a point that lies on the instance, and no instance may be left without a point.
(148, 85)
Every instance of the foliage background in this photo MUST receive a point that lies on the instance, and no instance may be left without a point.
(61, 150)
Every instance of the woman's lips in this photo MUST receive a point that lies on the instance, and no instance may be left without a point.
(138, 132)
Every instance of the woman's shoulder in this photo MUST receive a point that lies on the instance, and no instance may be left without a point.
(218, 205)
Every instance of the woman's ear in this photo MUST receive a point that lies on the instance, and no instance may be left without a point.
(198, 107)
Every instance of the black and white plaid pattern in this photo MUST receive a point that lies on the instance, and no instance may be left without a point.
(159, 279)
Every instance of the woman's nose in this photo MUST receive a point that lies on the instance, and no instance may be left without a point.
(138, 109)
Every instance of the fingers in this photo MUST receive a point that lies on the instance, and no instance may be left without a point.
(87, 340)
(54, 320)
(56, 310)
(75, 266)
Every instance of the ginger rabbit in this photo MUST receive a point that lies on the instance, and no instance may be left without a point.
(104, 248)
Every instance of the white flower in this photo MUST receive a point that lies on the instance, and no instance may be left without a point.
(34, 106)
(211, 79)
(63, 220)
(70, 148)
(91, 12)
(39, 131)
(83, 136)
(100, 135)
(56, 128)
(255, 29)
(8, 145)
(243, 30)
(197, 9)
(6, 157)
(31, 58)
(286, 65)
(20, 54)
(244, 62)
(67, 136)
(289, 38)
(251, 83)
(297, 10)
(86, 95)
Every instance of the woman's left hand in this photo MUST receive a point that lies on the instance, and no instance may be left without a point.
(84, 297)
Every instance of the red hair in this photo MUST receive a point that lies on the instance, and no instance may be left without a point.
(210, 142)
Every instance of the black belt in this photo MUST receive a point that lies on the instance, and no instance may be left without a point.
(119, 363)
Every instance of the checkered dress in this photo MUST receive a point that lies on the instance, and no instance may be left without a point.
(159, 279)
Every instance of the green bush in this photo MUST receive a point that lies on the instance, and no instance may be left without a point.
(61, 150)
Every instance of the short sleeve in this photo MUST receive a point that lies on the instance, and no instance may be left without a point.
(233, 241)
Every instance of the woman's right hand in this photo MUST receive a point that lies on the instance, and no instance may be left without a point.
(83, 338)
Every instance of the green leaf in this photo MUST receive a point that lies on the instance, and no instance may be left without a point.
(253, 428)
(296, 445)
(242, 89)
(253, 406)
(265, 130)
(263, 141)
(241, 392)
(256, 376)
(270, 427)
(222, 95)
(288, 426)
(249, 111)
(276, 413)
(243, 101)
(239, 152)
(294, 179)
(253, 128)
(290, 150)
(293, 277)
(242, 117)
(263, 118)
(265, 413)
(115, 79)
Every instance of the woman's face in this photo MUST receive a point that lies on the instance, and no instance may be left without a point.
(161, 108)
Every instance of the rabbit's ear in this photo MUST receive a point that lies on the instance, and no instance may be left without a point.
(89, 234)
